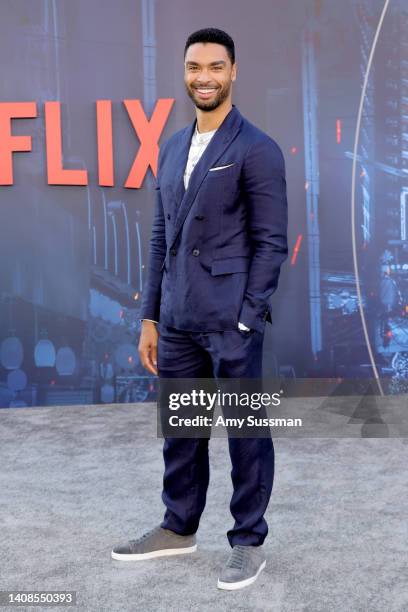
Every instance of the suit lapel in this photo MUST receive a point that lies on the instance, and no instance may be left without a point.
(181, 156)
(215, 148)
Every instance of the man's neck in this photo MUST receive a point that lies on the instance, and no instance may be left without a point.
(209, 121)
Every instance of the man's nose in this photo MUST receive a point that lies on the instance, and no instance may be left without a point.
(204, 76)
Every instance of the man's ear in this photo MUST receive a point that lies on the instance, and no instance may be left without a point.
(234, 72)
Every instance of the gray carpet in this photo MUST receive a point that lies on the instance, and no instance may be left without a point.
(76, 480)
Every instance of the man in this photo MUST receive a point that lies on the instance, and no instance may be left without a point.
(218, 241)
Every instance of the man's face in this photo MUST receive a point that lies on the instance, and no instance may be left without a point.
(208, 74)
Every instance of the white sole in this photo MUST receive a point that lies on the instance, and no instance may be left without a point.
(232, 586)
(167, 552)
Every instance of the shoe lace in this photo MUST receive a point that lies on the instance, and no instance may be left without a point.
(144, 536)
(237, 557)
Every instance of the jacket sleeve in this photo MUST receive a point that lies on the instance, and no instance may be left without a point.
(157, 252)
(264, 185)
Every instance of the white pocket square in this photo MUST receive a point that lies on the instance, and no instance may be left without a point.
(221, 167)
(243, 327)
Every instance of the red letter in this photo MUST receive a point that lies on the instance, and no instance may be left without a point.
(149, 134)
(105, 147)
(57, 175)
(9, 143)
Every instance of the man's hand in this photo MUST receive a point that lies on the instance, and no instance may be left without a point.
(148, 346)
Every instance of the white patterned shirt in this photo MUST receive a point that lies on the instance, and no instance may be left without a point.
(199, 142)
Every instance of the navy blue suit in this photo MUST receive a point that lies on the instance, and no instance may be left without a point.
(217, 248)
(215, 256)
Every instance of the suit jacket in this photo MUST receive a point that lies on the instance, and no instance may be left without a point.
(216, 248)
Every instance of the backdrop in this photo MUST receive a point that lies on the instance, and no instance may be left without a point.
(89, 89)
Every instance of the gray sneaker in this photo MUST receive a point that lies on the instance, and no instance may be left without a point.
(157, 542)
(243, 567)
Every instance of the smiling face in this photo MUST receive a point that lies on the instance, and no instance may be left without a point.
(208, 75)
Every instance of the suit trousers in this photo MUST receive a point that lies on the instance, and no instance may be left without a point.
(223, 354)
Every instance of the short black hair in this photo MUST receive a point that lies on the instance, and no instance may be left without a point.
(212, 35)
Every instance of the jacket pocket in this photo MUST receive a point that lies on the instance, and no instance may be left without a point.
(225, 170)
(229, 265)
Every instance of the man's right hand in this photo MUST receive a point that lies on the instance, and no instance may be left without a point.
(148, 346)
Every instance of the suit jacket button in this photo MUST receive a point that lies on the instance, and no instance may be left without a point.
(173, 251)
(199, 217)
(168, 216)
(196, 252)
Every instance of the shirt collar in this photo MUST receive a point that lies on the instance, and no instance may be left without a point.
(201, 138)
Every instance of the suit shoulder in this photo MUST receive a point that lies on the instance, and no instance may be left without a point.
(259, 145)
(171, 141)
(174, 138)
(257, 138)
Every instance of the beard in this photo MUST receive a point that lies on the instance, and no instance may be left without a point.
(209, 105)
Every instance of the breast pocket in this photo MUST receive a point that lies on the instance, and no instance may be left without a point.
(221, 171)
(220, 182)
